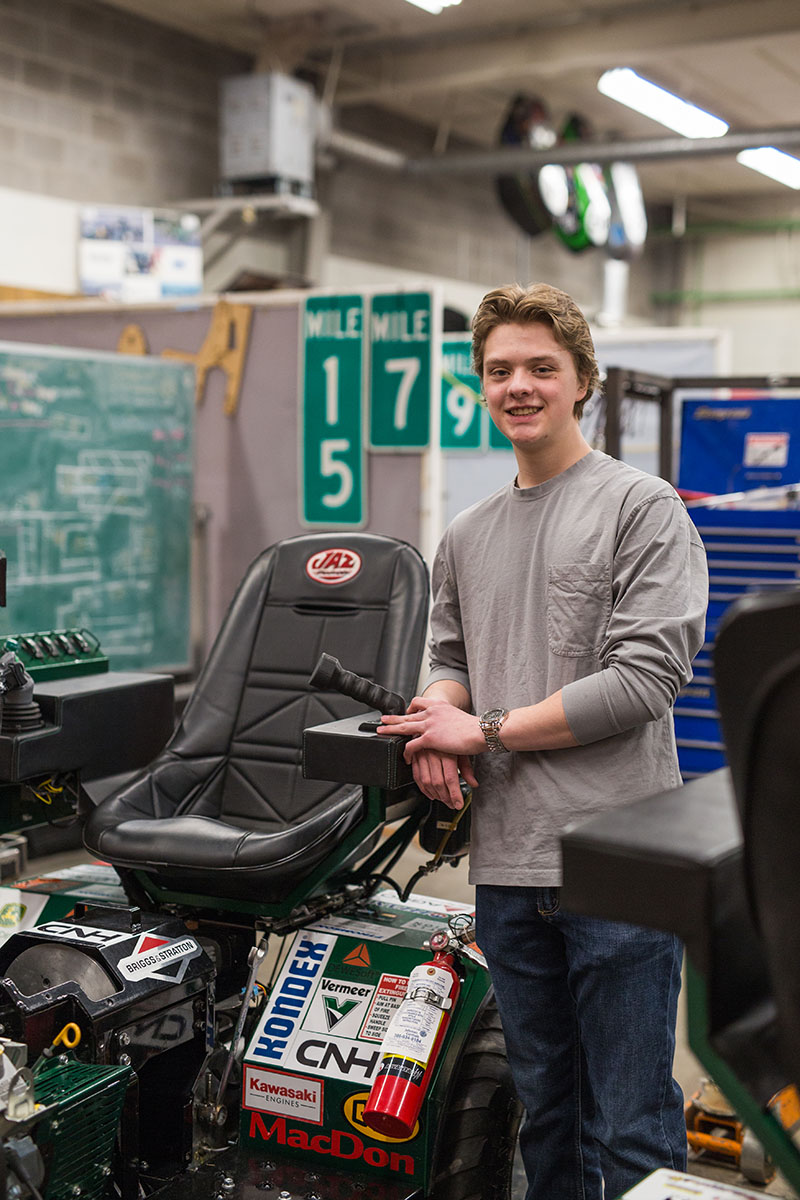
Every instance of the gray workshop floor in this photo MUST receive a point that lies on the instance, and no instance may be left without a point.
(451, 884)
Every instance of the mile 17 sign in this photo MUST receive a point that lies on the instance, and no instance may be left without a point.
(400, 371)
(332, 443)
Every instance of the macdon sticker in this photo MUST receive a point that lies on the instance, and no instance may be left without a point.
(334, 565)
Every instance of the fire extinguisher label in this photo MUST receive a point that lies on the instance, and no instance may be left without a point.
(414, 1026)
(402, 1068)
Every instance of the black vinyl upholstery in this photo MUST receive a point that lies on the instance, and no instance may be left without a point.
(224, 809)
(757, 669)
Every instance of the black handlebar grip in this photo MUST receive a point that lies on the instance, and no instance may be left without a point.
(330, 675)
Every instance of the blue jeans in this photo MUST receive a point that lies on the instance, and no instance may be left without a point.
(588, 1009)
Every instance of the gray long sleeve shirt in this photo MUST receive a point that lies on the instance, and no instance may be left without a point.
(596, 583)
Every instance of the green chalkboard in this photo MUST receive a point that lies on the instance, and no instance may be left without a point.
(96, 499)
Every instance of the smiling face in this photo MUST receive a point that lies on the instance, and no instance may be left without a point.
(531, 388)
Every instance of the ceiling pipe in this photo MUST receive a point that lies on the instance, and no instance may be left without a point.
(508, 160)
(353, 146)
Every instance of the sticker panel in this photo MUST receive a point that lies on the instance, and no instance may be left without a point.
(290, 998)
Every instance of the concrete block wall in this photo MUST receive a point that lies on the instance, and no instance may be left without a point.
(98, 106)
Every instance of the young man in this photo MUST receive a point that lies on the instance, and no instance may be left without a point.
(567, 610)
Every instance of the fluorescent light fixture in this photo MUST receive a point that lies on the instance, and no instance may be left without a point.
(784, 168)
(652, 101)
(434, 6)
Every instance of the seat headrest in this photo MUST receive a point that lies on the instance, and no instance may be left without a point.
(337, 568)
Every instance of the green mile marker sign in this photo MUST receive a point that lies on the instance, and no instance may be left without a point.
(332, 454)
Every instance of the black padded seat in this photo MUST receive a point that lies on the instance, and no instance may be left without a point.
(757, 669)
(224, 810)
(718, 860)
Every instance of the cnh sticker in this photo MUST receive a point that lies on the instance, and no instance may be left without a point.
(335, 565)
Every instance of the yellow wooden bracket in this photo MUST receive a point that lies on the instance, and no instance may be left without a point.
(224, 346)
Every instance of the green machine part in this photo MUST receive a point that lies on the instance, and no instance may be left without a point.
(315, 1049)
(57, 653)
(76, 1133)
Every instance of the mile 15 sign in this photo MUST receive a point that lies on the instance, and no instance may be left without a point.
(332, 442)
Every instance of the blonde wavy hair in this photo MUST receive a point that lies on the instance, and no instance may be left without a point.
(517, 305)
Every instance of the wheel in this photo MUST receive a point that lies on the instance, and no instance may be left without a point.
(755, 1165)
(479, 1128)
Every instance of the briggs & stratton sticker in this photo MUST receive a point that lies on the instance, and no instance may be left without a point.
(156, 957)
(297, 1096)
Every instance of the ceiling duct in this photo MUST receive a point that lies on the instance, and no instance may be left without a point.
(507, 160)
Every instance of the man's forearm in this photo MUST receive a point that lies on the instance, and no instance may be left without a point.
(450, 690)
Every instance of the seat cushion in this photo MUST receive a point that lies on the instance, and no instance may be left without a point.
(181, 851)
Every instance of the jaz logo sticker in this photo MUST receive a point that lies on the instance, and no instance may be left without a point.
(159, 958)
(336, 565)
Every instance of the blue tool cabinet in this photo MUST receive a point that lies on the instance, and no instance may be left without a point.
(749, 550)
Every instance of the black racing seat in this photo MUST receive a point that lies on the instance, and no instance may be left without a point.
(224, 810)
(757, 675)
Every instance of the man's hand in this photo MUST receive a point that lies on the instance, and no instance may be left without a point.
(442, 737)
(437, 776)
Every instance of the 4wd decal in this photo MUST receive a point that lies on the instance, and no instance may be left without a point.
(335, 565)
(159, 958)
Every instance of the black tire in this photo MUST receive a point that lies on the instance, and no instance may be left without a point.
(479, 1129)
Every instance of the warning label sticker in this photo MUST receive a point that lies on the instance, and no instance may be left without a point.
(389, 995)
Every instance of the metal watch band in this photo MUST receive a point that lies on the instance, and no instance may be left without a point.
(491, 722)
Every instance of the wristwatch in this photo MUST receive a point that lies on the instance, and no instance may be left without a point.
(491, 723)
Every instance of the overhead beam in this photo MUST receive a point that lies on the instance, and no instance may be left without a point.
(513, 159)
(612, 40)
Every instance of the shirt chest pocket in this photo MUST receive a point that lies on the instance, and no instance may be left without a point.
(578, 607)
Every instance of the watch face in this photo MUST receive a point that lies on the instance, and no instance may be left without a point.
(493, 714)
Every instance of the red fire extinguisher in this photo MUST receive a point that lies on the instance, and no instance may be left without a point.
(412, 1044)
